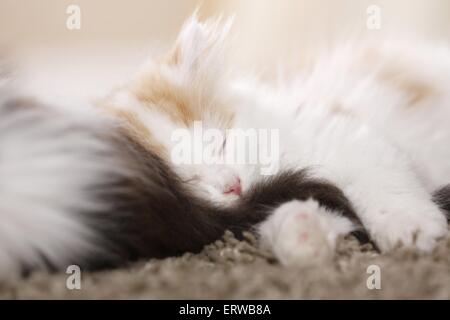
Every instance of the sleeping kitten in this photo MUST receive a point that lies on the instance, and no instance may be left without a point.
(362, 146)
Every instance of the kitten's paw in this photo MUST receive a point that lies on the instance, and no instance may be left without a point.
(409, 227)
(299, 231)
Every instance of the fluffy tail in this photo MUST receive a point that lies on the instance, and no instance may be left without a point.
(49, 170)
(76, 191)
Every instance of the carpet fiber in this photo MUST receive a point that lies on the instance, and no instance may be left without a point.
(238, 269)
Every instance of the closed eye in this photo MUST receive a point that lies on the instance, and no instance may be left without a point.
(193, 179)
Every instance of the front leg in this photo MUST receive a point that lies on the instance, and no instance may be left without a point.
(399, 213)
(380, 182)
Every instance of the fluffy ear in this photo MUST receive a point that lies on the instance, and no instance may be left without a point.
(199, 44)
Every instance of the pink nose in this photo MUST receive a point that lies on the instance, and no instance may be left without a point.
(234, 187)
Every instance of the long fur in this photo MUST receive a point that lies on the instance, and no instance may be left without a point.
(77, 191)
(98, 191)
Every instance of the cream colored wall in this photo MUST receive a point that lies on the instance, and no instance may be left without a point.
(116, 35)
(36, 21)
(270, 29)
(269, 21)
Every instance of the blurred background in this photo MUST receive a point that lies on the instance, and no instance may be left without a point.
(118, 35)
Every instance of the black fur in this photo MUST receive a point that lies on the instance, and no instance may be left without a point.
(442, 198)
(155, 215)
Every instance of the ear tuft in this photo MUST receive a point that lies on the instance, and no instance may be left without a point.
(199, 43)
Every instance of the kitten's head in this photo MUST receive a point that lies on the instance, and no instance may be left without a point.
(172, 99)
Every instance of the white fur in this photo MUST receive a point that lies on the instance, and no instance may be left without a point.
(387, 156)
(45, 169)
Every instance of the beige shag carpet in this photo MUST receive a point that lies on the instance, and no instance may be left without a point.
(232, 269)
